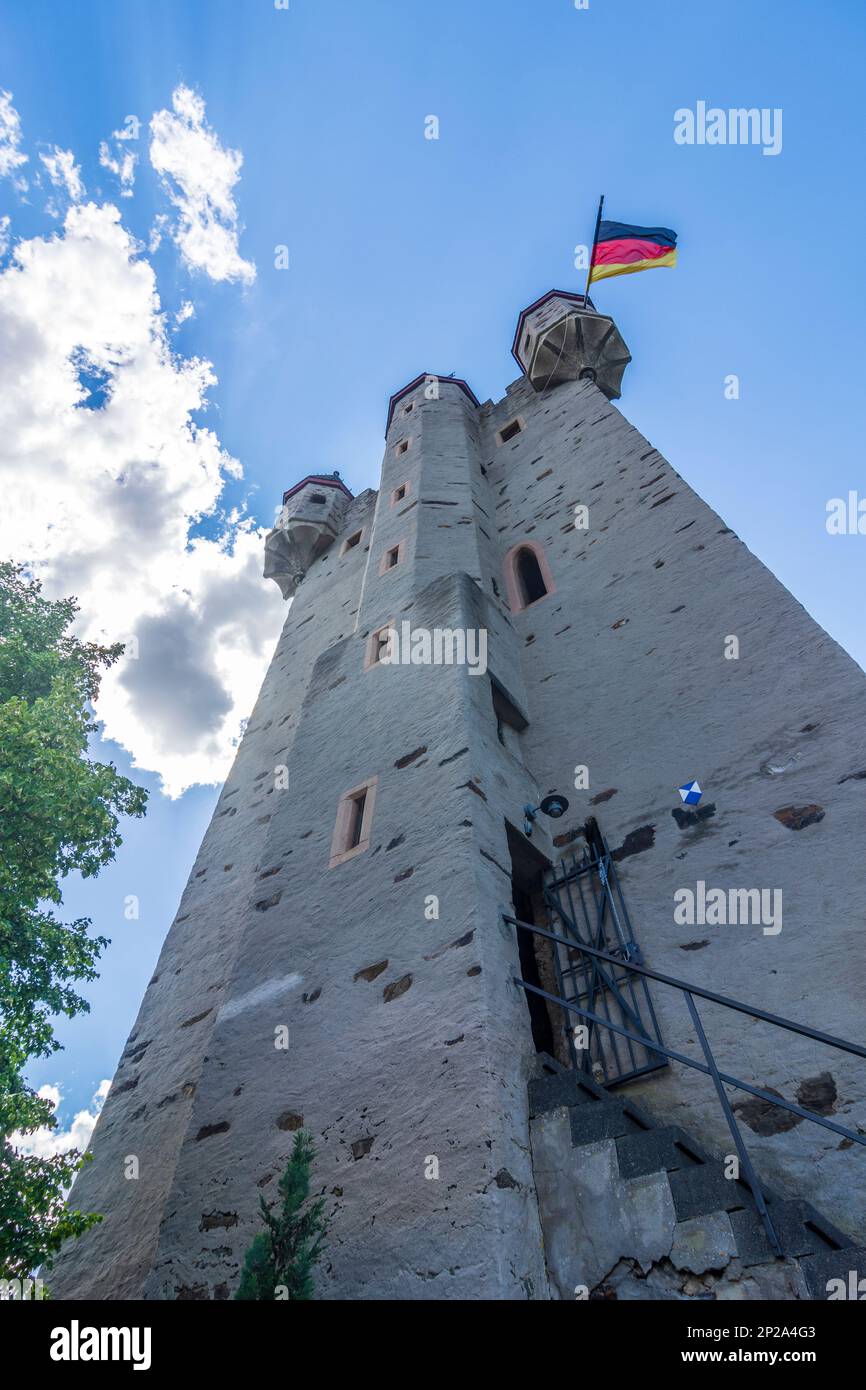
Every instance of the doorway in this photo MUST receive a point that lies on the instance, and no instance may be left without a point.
(537, 967)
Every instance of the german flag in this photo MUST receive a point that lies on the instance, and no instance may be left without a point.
(621, 249)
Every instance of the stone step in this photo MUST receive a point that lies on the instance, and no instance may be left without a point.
(831, 1234)
(667, 1148)
(604, 1119)
(800, 1229)
(700, 1190)
(563, 1088)
(698, 1185)
(847, 1265)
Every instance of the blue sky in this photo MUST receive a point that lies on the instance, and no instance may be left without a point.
(411, 255)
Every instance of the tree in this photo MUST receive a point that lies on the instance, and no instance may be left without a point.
(59, 813)
(279, 1262)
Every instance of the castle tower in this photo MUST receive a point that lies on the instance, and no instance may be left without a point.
(533, 602)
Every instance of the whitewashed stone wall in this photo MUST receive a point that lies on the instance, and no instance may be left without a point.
(408, 1039)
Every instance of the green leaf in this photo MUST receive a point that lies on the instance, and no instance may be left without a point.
(59, 813)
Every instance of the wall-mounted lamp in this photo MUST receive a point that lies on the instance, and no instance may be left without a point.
(553, 806)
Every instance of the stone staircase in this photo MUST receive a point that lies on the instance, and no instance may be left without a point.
(633, 1209)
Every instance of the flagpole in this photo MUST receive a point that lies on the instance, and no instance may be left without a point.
(592, 252)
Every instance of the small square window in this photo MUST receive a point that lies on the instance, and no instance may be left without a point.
(354, 823)
(508, 431)
(391, 558)
(377, 646)
(403, 446)
(407, 410)
(319, 498)
(400, 494)
(351, 542)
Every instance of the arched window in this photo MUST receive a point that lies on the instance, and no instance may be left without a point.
(527, 575)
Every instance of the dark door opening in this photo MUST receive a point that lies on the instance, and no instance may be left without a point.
(536, 958)
(529, 576)
(539, 1018)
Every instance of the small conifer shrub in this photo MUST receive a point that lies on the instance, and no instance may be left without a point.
(279, 1262)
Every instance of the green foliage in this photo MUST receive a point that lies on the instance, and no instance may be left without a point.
(279, 1263)
(58, 814)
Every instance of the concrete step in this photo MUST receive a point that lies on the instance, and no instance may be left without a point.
(800, 1229)
(604, 1119)
(700, 1190)
(697, 1182)
(847, 1265)
(666, 1148)
(831, 1234)
(563, 1088)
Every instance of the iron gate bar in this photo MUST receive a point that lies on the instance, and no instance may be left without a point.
(601, 909)
(599, 902)
(610, 981)
(752, 1010)
(613, 984)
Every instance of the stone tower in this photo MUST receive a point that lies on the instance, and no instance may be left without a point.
(534, 601)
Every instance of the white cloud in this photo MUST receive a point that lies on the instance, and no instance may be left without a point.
(160, 222)
(11, 157)
(121, 164)
(47, 1142)
(64, 173)
(105, 477)
(4, 236)
(199, 176)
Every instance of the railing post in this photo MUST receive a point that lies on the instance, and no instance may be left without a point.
(751, 1175)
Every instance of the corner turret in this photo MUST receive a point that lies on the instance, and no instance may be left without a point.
(561, 338)
(310, 520)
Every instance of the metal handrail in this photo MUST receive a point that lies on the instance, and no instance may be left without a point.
(708, 1067)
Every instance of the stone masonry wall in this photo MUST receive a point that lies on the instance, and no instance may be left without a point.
(408, 1040)
(626, 673)
(147, 1112)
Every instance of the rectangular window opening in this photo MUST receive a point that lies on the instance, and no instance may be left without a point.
(505, 709)
(356, 819)
(353, 825)
(509, 431)
(377, 646)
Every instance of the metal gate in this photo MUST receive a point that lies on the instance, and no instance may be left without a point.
(586, 905)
